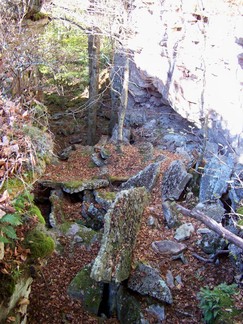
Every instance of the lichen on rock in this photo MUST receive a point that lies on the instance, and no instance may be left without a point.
(122, 223)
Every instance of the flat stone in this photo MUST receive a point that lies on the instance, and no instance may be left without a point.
(97, 160)
(81, 185)
(168, 247)
(158, 311)
(184, 232)
(51, 184)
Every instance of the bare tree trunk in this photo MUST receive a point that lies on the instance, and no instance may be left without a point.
(123, 102)
(94, 54)
(213, 225)
(116, 86)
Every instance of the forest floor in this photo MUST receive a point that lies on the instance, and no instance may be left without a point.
(49, 302)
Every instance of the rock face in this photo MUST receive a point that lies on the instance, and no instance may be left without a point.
(175, 180)
(194, 60)
(147, 281)
(122, 223)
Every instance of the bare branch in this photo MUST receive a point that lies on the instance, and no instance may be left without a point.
(212, 224)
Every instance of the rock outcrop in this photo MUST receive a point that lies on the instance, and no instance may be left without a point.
(193, 62)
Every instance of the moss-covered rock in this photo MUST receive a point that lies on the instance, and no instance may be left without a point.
(57, 214)
(24, 205)
(80, 233)
(86, 289)
(104, 198)
(40, 244)
(81, 185)
(128, 307)
(35, 211)
(7, 287)
(122, 223)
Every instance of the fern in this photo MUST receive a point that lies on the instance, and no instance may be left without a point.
(7, 227)
(12, 219)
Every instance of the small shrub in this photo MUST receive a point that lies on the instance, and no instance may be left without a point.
(217, 304)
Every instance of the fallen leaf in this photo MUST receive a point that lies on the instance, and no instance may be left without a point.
(24, 301)
(5, 196)
(2, 213)
(11, 319)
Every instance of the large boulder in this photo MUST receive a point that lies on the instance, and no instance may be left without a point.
(214, 210)
(211, 242)
(215, 178)
(84, 288)
(146, 178)
(122, 223)
(175, 180)
(128, 307)
(147, 281)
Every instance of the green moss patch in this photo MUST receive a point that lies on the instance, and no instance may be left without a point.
(74, 184)
(24, 205)
(86, 289)
(7, 287)
(35, 211)
(40, 244)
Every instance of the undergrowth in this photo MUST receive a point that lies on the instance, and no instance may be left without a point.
(217, 304)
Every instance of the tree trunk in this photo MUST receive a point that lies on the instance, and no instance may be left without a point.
(212, 224)
(123, 102)
(94, 53)
(116, 88)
